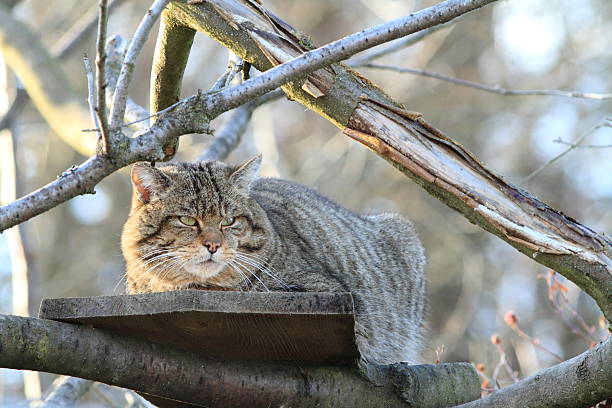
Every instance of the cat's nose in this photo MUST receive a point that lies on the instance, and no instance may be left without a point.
(212, 245)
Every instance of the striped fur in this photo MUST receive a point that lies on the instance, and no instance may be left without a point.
(285, 237)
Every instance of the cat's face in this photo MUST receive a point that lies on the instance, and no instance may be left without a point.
(192, 224)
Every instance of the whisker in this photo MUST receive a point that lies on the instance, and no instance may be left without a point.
(261, 259)
(158, 264)
(263, 262)
(123, 278)
(262, 268)
(159, 255)
(169, 268)
(253, 255)
(156, 251)
(251, 272)
(156, 258)
(244, 276)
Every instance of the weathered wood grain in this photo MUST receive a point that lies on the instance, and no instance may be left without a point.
(296, 328)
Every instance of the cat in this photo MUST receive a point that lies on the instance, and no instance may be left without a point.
(209, 225)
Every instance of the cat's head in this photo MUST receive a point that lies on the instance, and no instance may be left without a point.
(192, 224)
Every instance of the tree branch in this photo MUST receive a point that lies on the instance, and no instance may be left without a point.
(409, 41)
(229, 136)
(67, 392)
(135, 114)
(147, 145)
(127, 69)
(62, 348)
(91, 92)
(607, 122)
(100, 106)
(433, 160)
(581, 381)
(487, 88)
(172, 49)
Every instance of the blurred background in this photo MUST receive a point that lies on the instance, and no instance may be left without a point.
(474, 278)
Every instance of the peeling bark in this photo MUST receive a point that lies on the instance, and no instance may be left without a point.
(433, 160)
(450, 173)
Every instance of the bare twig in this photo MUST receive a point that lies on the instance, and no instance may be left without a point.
(503, 363)
(234, 66)
(557, 291)
(125, 76)
(67, 390)
(512, 321)
(229, 136)
(605, 123)
(409, 41)
(91, 92)
(487, 88)
(487, 384)
(148, 116)
(581, 146)
(574, 383)
(101, 78)
(135, 114)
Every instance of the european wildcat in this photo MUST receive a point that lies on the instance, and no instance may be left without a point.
(213, 226)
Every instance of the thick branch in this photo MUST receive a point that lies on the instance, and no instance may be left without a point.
(171, 53)
(582, 381)
(433, 160)
(62, 348)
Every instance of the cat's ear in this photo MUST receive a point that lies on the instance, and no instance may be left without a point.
(148, 182)
(246, 173)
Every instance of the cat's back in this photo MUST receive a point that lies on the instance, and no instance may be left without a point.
(276, 194)
(378, 258)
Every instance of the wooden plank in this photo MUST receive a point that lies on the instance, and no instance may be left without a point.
(295, 328)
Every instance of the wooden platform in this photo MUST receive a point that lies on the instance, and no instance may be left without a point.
(295, 328)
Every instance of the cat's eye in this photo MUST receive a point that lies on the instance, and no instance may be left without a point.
(189, 221)
(228, 221)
